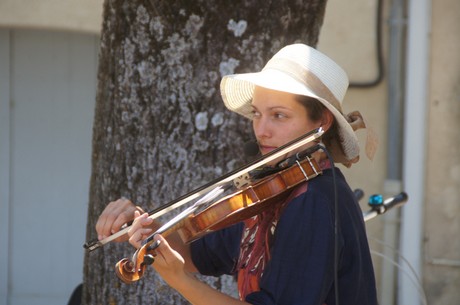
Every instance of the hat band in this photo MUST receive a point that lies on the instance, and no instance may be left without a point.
(294, 70)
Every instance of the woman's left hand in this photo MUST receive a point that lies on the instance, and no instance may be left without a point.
(169, 264)
(140, 229)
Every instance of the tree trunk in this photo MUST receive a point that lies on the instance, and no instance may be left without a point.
(160, 127)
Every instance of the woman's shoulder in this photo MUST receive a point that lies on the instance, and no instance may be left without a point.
(320, 193)
(328, 183)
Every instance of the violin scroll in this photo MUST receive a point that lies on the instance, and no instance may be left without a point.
(133, 270)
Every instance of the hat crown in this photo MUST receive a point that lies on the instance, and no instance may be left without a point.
(305, 64)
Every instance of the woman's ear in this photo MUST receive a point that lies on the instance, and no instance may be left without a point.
(327, 120)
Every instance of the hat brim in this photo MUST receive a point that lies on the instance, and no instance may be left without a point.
(237, 92)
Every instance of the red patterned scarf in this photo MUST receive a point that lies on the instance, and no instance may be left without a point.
(256, 241)
(255, 244)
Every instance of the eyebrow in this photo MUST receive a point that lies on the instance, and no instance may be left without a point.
(273, 108)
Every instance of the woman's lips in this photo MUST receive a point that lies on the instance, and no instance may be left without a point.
(264, 149)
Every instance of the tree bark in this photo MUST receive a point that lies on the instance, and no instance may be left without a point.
(160, 127)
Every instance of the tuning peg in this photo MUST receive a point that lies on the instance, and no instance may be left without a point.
(148, 260)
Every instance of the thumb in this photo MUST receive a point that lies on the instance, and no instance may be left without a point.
(168, 254)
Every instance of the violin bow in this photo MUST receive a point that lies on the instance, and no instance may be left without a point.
(224, 180)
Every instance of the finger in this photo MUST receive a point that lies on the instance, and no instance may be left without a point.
(125, 211)
(143, 219)
(164, 250)
(114, 216)
(138, 236)
(113, 212)
(138, 223)
(104, 223)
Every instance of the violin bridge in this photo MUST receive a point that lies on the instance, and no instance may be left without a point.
(315, 171)
(313, 166)
(302, 170)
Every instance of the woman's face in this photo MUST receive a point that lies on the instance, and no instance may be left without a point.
(278, 118)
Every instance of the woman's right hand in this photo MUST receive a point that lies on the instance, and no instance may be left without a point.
(115, 215)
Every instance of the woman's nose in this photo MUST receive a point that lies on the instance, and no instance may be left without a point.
(261, 128)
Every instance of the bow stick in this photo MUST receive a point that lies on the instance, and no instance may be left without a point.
(224, 180)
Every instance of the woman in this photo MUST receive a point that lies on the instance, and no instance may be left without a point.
(291, 253)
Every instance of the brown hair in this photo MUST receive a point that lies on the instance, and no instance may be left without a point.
(315, 112)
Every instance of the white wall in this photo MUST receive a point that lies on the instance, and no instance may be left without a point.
(70, 15)
(48, 104)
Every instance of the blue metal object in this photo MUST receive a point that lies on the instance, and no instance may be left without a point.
(375, 200)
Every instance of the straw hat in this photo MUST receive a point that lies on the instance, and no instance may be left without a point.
(303, 70)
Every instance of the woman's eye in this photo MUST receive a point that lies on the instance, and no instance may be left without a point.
(279, 115)
(255, 114)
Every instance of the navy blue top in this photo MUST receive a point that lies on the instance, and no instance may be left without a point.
(301, 269)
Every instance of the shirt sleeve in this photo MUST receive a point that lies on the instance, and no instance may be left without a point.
(300, 270)
(217, 253)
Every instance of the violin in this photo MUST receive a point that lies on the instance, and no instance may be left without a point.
(210, 191)
(231, 209)
(252, 197)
